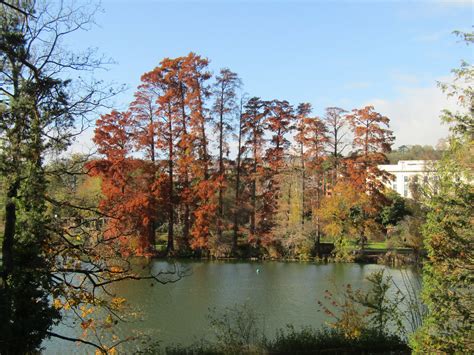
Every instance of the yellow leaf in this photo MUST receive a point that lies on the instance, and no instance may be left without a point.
(116, 269)
(57, 303)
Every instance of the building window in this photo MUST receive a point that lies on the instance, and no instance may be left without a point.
(405, 186)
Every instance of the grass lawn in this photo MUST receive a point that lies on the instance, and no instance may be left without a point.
(377, 245)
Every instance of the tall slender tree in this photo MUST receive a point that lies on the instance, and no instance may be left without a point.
(159, 86)
(317, 141)
(336, 122)
(279, 123)
(253, 120)
(128, 200)
(224, 90)
(449, 236)
(204, 185)
(195, 74)
(41, 112)
(238, 172)
(372, 140)
(173, 77)
(302, 113)
(31, 102)
(145, 122)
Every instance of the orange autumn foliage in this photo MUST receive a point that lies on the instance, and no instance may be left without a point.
(204, 214)
(157, 171)
(128, 202)
(372, 140)
(279, 122)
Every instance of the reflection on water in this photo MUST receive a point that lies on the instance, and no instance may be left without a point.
(283, 293)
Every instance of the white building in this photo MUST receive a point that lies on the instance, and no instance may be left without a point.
(405, 171)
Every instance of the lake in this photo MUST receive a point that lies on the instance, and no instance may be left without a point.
(280, 292)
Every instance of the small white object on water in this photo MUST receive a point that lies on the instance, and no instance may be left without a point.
(258, 271)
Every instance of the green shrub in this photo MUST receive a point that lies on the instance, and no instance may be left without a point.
(201, 348)
(325, 340)
(237, 328)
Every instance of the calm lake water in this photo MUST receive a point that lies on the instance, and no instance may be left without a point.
(281, 292)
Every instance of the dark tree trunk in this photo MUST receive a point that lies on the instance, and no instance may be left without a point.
(151, 236)
(253, 201)
(221, 168)
(303, 185)
(288, 202)
(170, 245)
(9, 231)
(319, 193)
(237, 189)
(187, 209)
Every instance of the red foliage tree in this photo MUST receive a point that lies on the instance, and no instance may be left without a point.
(253, 123)
(312, 138)
(241, 148)
(175, 141)
(128, 201)
(145, 120)
(204, 186)
(195, 75)
(372, 140)
(145, 133)
(316, 141)
(176, 92)
(204, 214)
(302, 113)
(278, 123)
(336, 122)
(224, 91)
(170, 80)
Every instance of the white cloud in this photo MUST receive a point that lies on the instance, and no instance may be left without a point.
(414, 114)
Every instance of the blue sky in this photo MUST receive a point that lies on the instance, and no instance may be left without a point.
(329, 53)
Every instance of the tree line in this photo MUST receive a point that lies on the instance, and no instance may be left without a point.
(165, 163)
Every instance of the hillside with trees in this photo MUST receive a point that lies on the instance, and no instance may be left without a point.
(416, 152)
